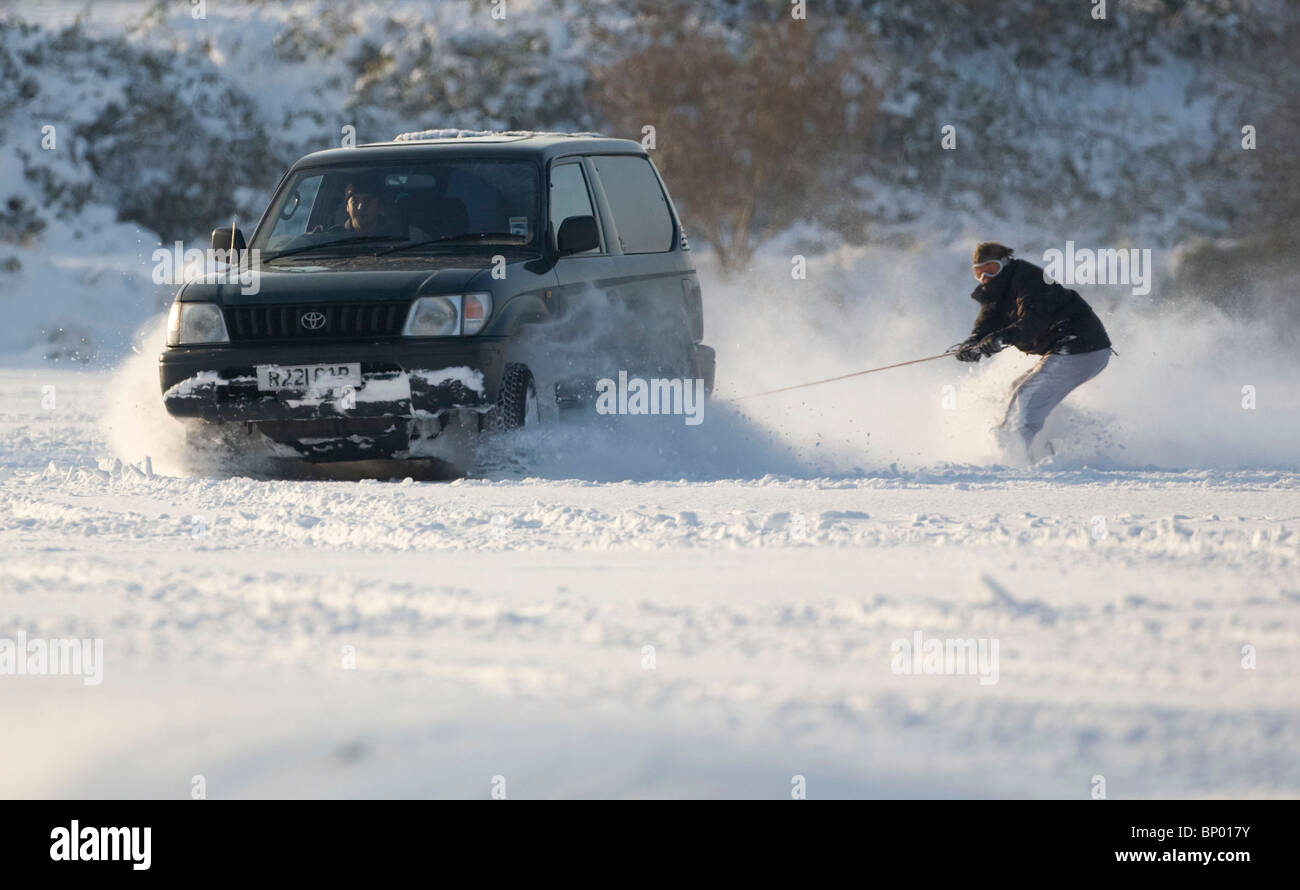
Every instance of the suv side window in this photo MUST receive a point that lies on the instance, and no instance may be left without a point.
(637, 201)
(569, 197)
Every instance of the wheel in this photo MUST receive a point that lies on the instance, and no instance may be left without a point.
(517, 404)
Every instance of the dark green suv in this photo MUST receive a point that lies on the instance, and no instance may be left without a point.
(392, 291)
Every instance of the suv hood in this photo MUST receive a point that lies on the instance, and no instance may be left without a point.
(308, 283)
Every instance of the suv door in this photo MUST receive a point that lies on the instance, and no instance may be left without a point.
(656, 276)
(571, 195)
(583, 348)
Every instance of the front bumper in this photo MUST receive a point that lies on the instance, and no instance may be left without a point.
(405, 392)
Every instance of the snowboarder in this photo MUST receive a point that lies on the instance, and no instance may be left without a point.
(1021, 307)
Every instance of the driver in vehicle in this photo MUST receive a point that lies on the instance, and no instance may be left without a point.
(363, 202)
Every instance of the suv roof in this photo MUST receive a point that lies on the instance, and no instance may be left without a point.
(521, 144)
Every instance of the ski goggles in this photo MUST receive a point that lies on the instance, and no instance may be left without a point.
(989, 268)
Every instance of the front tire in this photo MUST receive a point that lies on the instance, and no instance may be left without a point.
(517, 405)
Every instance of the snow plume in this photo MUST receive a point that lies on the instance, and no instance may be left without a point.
(597, 335)
(588, 340)
(134, 423)
(1178, 394)
(856, 310)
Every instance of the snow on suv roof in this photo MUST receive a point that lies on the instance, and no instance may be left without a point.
(478, 135)
(515, 143)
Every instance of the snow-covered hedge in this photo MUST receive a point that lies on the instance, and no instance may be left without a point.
(165, 125)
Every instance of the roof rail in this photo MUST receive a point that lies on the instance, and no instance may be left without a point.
(423, 135)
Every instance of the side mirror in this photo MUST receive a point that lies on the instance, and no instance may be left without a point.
(577, 234)
(223, 239)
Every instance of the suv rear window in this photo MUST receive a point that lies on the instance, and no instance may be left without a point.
(637, 200)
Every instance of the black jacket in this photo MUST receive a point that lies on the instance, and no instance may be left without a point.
(1036, 317)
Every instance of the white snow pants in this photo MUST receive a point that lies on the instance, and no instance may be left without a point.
(1042, 388)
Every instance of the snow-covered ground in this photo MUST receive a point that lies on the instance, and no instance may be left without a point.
(499, 627)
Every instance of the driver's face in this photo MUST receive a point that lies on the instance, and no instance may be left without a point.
(363, 211)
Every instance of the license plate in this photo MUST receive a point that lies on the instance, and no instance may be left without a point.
(307, 377)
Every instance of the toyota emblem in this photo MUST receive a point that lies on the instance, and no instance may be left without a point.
(313, 321)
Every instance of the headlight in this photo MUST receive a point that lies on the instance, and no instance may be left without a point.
(194, 323)
(433, 317)
(448, 316)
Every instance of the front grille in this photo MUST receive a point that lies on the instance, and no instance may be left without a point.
(329, 321)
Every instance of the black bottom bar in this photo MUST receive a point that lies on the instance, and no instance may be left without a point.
(943, 839)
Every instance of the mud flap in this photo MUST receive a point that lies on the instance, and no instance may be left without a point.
(705, 361)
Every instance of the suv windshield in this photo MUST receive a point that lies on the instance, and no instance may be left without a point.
(413, 208)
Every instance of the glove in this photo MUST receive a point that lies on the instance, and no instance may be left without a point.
(990, 345)
(968, 352)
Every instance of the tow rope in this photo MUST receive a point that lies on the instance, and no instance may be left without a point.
(769, 392)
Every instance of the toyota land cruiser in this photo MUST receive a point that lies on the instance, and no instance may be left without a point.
(393, 290)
